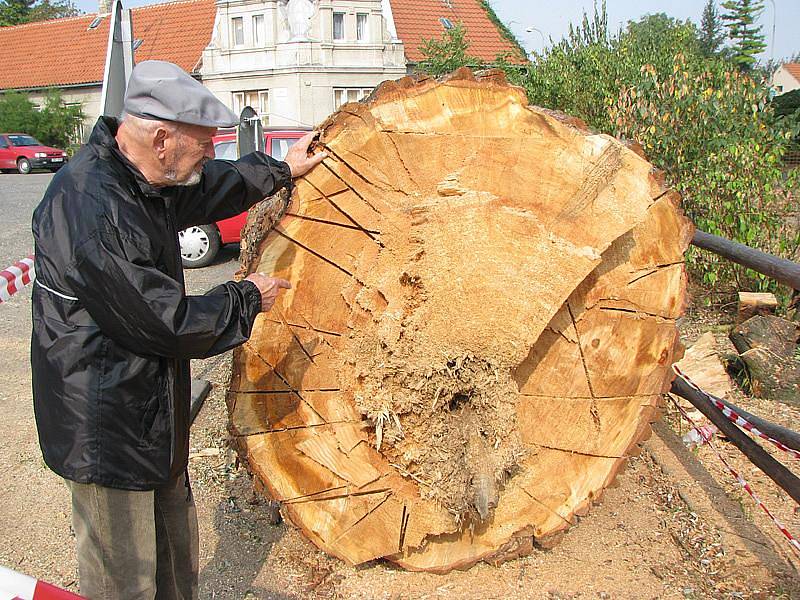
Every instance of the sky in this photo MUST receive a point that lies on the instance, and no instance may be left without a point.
(551, 18)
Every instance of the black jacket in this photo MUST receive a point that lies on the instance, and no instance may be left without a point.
(113, 329)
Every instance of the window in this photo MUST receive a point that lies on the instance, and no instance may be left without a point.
(3, 143)
(258, 30)
(338, 26)
(280, 146)
(237, 31)
(343, 95)
(361, 27)
(258, 100)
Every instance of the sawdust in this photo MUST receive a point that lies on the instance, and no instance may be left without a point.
(437, 331)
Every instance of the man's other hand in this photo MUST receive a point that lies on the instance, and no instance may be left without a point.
(269, 288)
(298, 159)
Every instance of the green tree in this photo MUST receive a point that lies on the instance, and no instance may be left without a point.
(748, 41)
(55, 124)
(14, 12)
(582, 74)
(448, 53)
(711, 29)
(17, 12)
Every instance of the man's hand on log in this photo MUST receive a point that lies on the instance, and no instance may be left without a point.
(269, 288)
(298, 158)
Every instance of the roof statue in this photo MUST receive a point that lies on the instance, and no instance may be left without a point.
(298, 16)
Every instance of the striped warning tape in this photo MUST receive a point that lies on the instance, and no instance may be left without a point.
(15, 277)
(732, 415)
(707, 438)
(16, 586)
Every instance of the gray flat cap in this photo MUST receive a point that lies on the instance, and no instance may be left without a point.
(161, 90)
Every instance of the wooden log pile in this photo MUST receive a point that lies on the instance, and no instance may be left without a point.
(481, 324)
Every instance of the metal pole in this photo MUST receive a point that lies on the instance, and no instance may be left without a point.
(782, 270)
(782, 476)
(119, 60)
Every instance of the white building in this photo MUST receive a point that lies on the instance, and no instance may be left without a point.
(296, 62)
(786, 78)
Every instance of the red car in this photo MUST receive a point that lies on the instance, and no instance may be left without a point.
(200, 244)
(23, 153)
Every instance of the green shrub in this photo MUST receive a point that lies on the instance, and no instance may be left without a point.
(55, 124)
(713, 131)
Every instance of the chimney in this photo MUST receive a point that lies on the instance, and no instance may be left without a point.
(104, 7)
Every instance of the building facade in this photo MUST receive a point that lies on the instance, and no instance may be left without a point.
(294, 61)
(297, 61)
(786, 78)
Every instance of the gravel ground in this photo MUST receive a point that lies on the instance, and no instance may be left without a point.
(657, 534)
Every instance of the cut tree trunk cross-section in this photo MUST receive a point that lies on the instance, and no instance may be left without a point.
(480, 325)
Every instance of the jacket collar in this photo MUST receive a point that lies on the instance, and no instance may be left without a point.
(103, 138)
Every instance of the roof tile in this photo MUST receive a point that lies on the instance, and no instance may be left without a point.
(65, 52)
(418, 20)
(793, 69)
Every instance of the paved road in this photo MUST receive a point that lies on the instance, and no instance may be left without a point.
(34, 506)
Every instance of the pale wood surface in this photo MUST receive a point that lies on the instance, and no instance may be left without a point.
(456, 229)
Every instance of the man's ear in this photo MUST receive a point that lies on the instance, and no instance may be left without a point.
(160, 142)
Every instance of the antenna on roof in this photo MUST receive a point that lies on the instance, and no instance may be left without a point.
(119, 60)
(97, 20)
(446, 23)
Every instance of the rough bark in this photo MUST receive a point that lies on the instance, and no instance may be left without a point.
(481, 324)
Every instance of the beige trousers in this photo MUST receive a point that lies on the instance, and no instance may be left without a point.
(136, 545)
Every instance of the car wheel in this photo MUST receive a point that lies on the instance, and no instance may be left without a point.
(23, 166)
(199, 245)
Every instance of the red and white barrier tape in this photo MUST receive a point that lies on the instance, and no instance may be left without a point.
(16, 586)
(792, 540)
(15, 277)
(735, 417)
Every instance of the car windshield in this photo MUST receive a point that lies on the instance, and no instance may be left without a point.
(23, 140)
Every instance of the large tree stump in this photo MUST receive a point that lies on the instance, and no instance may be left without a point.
(481, 323)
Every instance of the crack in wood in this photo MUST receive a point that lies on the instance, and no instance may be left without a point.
(653, 270)
(267, 392)
(578, 452)
(310, 498)
(400, 158)
(294, 335)
(632, 311)
(351, 188)
(565, 398)
(283, 234)
(369, 512)
(306, 326)
(403, 526)
(555, 512)
(329, 200)
(580, 349)
(252, 349)
(358, 174)
(295, 428)
(334, 223)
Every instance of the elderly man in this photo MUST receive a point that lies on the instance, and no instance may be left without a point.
(113, 329)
